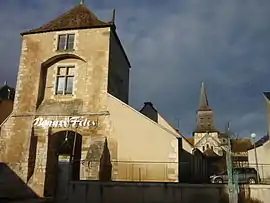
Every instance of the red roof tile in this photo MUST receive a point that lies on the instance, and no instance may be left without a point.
(80, 17)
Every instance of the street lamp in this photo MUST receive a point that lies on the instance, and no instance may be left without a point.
(253, 136)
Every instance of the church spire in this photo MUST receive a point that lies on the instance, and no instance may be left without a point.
(82, 2)
(203, 104)
(113, 16)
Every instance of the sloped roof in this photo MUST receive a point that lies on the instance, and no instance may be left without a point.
(210, 153)
(261, 141)
(7, 93)
(203, 104)
(237, 145)
(150, 105)
(267, 95)
(79, 17)
(191, 140)
(241, 145)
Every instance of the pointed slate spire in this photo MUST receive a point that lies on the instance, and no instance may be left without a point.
(113, 16)
(203, 104)
(82, 2)
(5, 84)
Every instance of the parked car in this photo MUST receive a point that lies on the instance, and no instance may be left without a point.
(245, 175)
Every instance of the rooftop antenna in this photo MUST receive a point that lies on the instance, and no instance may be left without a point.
(113, 16)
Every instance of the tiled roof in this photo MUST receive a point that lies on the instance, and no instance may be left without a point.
(191, 140)
(241, 145)
(6, 93)
(238, 145)
(80, 17)
(267, 95)
(261, 141)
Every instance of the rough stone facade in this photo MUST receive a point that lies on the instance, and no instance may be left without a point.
(27, 149)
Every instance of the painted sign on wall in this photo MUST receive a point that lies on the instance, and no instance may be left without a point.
(65, 123)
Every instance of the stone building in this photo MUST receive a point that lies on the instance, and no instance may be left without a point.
(212, 142)
(6, 101)
(192, 162)
(72, 97)
(205, 136)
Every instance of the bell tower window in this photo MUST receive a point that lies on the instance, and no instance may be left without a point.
(64, 80)
(65, 42)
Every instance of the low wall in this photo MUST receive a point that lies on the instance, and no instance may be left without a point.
(132, 192)
(260, 192)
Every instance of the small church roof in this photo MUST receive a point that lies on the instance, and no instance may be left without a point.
(79, 17)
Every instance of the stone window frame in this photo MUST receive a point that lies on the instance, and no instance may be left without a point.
(56, 39)
(66, 75)
(56, 66)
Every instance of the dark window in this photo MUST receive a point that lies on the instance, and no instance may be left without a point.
(203, 148)
(64, 80)
(212, 147)
(66, 42)
(207, 146)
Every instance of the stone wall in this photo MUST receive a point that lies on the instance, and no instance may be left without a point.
(122, 192)
(35, 96)
(6, 107)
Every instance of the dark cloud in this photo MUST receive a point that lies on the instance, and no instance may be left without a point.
(173, 46)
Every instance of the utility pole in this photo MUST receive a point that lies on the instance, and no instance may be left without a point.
(232, 181)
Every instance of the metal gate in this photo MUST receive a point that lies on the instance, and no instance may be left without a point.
(63, 174)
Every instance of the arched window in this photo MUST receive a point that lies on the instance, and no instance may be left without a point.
(203, 148)
(212, 147)
(207, 146)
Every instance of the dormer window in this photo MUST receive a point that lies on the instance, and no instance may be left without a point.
(66, 42)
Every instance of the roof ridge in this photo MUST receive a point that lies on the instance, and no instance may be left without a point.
(78, 17)
(175, 134)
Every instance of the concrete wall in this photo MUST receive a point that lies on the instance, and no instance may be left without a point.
(260, 192)
(257, 192)
(122, 192)
(263, 160)
(141, 140)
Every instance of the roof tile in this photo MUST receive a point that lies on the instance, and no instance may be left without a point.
(79, 17)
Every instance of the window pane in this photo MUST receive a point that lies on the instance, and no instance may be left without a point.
(61, 71)
(60, 85)
(69, 86)
(61, 42)
(71, 70)
(70, 41)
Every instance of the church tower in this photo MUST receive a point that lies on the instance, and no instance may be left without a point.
(67, 68)
(204, 118)
(206, 137)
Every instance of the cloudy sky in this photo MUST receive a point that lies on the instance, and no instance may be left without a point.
(173, 46)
